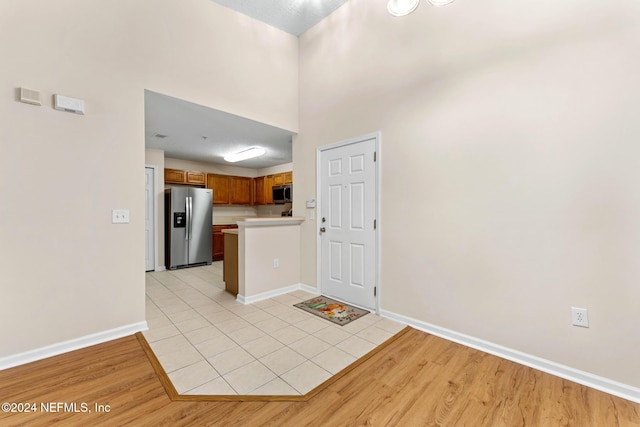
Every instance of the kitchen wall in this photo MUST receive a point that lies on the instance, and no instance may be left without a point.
(509, 166)
(70, 277)
(209, 167)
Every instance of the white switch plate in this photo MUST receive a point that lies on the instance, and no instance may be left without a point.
(120, 216)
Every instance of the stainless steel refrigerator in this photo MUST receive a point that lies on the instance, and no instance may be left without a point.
(187, 227)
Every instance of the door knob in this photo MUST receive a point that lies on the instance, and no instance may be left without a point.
(322, 229)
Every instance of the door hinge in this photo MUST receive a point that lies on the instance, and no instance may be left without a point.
(375, 224)
(375, 291)
(375, 156)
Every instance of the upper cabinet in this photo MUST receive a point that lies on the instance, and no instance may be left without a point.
(197, 178)
(220, 186)
(259, 191)
(177, 176)
(240, 190)
(282, 178)
(231, 190)
(268, 194)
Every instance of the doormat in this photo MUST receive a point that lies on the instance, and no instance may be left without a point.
(332, 310)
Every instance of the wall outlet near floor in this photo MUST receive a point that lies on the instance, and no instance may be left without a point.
(120, 216)
(579, 317)
(276, 263)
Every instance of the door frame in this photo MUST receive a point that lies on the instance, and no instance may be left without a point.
(376, 136)
(155, 215)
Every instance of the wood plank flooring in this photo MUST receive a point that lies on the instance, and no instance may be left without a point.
(421, 380)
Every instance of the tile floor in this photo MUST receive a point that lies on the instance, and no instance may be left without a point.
(209, 344)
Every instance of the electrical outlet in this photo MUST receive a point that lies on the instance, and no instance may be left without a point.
(579, 317)
(276, 263)
(120, 216)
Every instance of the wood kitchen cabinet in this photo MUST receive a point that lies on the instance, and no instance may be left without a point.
(259, 191)
(230, 190)
(178, 176)
(175, 176)
(220, 186)
(240, 190)
(283, 178)
(263, 185)
(262, 190)
(268, 195)
(196, 178)
(230, 265)
(217, 251)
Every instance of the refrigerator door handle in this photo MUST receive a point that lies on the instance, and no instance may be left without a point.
(188, 213)
(190, 218)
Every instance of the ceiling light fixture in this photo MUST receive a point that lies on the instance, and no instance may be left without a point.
(402, 7)
(405, 7)
(439, 2)
(249, 153)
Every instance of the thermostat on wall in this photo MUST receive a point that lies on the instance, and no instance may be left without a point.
(68, 104)
(311, 203)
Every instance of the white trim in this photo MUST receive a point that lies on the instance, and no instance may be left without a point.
(71, 345)
(311, 289)
(276, 292)
(155, 216)
(376, 136)
(606, 385)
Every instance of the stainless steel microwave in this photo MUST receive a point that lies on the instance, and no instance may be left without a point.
(282, 194)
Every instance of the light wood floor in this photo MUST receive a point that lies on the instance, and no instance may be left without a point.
(420, 380)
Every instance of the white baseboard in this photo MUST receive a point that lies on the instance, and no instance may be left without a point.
(276, 292)
(71, 345)
(311, 289)
(606, 385)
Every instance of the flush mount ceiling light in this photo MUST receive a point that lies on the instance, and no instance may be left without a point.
(249, 153)
(402, 7)
(439, 2)
(405, 7)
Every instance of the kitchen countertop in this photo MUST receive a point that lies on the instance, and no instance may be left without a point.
(232, 220)
(231, 231)
(271, 221)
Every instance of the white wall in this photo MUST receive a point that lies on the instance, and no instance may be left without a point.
(67, 272)
(258, 247)
(509, 166)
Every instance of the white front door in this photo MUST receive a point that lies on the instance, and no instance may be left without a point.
(348, 200)
(149, 220)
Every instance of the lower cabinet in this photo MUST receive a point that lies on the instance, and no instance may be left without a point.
(217, 253)
(230, 265)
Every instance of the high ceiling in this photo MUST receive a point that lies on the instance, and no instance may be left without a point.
(293, 16)
(193, 132)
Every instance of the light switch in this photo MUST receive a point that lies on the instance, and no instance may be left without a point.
(120, 216)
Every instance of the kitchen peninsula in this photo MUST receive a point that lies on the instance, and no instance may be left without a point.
(267, 259)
